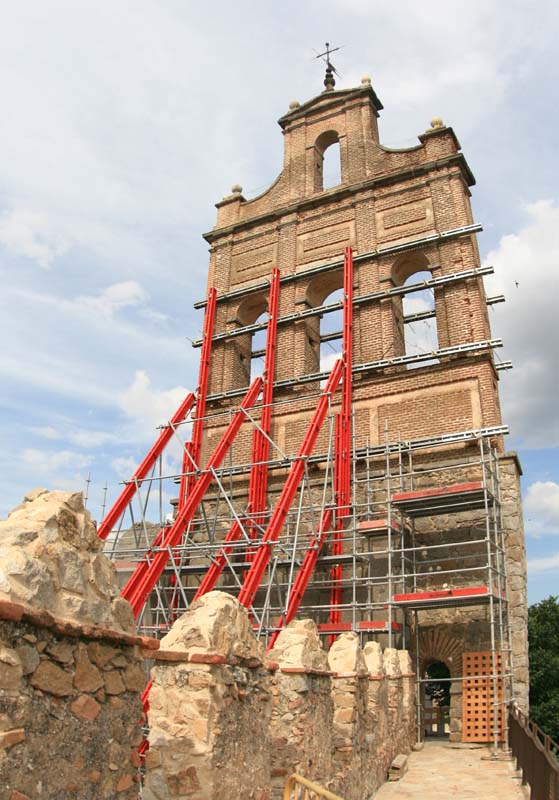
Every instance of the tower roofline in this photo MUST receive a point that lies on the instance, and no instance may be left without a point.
(328, 99)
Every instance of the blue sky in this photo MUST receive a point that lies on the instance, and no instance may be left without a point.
(124, 122)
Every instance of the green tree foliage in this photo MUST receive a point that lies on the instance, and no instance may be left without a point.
(543, 638)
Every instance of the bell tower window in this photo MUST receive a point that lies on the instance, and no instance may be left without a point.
(328, 165)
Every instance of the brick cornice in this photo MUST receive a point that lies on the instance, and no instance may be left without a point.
(339, 194)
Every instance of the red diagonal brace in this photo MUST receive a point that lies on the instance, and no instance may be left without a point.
(130, 489)
(147, 574)
(191, 458)
(258, 566)
(304, 575)
(217, 566)
(260, 451)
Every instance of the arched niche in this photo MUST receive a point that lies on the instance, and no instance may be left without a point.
(327, 161)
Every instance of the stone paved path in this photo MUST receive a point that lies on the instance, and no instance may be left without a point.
(441, 771)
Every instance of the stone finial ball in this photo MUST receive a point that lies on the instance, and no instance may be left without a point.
(294, 104)
(437, 122)
(366, 80)
(236, 188)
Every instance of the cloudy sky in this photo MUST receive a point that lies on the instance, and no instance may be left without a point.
(124, 122)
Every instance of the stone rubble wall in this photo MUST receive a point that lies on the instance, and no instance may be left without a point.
(71, 676)
(381, 743)
(226, 723)
(352, 722)
(210, 707)
(302, 708)
(50, 558)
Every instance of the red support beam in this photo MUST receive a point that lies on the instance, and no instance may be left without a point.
(260, 451)
(342, 442)
(254, 575)
(218, 564)
(147, 464)
(260, 444)
(191, 458)
(142, 582)
(304, 575)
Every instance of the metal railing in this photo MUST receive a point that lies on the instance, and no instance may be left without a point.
(535, 754)
(299, 788)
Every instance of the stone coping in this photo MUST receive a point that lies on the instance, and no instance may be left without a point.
(217, 659)
(17, 612)
(304, 671)
(364, 675)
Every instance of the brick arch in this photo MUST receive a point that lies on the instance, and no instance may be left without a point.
(321, 286)
(438, 645)
(407, 265)
(251, 307)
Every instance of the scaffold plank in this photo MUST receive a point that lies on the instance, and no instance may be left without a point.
(476, 594)
(442, 499)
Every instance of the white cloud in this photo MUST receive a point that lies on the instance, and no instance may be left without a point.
(150, 407)
(85, 438)
(527, 322)
(114, 298)
(27, 233)
(62, 469)
(537, 566)
(47, 432)
(79, 436)
(124, 466)
(82, 348)
(541, 506)
(46, 462)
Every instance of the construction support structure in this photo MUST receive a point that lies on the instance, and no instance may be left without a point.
(338, 535)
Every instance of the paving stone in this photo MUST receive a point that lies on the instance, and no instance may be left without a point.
(440, 771)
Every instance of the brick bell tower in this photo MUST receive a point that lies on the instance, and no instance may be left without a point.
(433, 547)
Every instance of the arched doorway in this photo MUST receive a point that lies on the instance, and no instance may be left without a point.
(438, 645)
(436, 699)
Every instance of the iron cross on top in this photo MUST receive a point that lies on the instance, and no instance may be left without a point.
(327, 53)
(329, 81)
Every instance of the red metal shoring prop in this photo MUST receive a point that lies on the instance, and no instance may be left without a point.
(191, 459)
(193, 448)
(342, 445)
(146, 575)
(304, 575)
(342, 441)
(260, 452)
(129, 490)
(260, 443)
(254, 575)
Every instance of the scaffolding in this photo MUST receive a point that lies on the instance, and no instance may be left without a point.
(377, 538)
